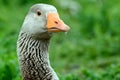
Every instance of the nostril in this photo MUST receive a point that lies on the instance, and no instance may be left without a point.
(56, 22)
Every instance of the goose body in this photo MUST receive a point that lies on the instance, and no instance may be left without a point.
(38, 27)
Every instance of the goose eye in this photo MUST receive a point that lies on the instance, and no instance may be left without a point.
(38, 13)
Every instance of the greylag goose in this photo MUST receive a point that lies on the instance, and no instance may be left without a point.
(38, 27)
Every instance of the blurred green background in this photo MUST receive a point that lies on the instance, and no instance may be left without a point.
(90, 51)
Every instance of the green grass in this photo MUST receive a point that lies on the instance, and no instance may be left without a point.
(90, 51)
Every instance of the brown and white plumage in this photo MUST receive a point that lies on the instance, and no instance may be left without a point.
(39, 25)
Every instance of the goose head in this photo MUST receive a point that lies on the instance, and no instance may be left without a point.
(42, 21)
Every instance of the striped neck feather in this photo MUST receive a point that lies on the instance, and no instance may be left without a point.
(34, 58)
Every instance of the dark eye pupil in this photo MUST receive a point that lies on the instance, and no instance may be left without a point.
(38, 13)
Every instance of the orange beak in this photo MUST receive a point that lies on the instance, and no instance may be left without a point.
(54, 24)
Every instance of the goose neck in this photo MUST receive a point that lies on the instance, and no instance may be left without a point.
(34, 59)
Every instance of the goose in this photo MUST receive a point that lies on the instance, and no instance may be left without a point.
(40, 23)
